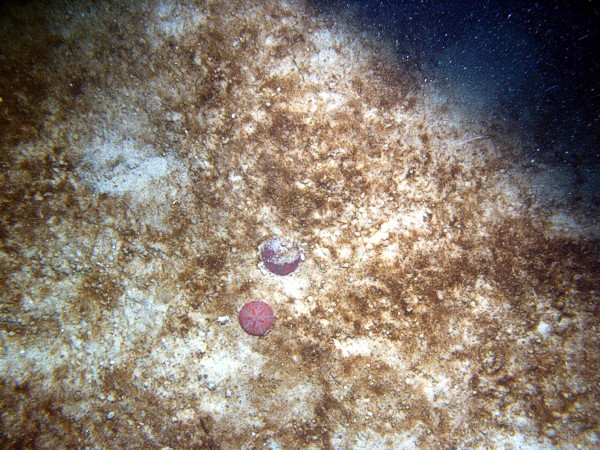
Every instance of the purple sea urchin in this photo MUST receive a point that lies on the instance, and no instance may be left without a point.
(280, 256)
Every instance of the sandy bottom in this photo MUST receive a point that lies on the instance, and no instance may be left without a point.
(450, 289)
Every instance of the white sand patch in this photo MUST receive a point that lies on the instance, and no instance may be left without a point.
(173, 20)
(138, 317)
(224, 362)
(295, 287)
(505, 441)
(370, 439)
(354, 347)
(284, 66)
(299, 399)
(563, 223)
(332, 100)
(391, 252)
(322, 61)
(303, 307)
(123, 167)
(544, 329)
(390, 226)
(141, 315)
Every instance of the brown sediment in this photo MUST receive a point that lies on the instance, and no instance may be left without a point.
(443, 301)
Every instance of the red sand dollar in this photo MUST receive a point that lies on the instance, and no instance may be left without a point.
(256, 317)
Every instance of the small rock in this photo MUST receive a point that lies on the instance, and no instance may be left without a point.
(110, 415)
(223, 320)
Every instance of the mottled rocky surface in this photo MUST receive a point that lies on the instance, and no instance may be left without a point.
(448, 297)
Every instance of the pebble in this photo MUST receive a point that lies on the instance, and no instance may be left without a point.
(110, 415)
(223, 320)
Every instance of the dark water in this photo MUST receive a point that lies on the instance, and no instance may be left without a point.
(533, 65)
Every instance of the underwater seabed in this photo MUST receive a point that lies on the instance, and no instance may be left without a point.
(448, 291)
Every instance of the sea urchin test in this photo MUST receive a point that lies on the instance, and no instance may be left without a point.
(256, 317)
(280, 256)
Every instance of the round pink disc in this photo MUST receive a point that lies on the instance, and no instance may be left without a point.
(256, 317)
